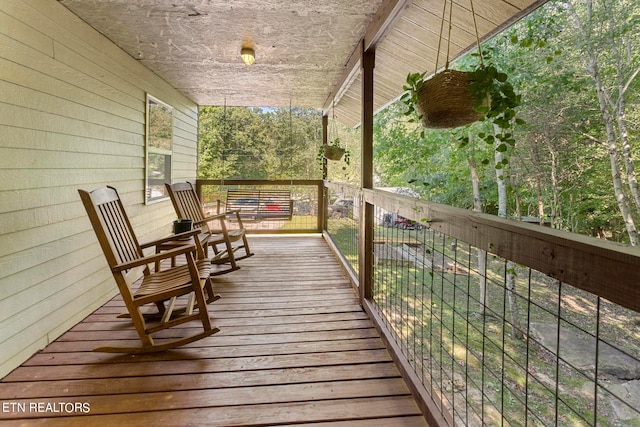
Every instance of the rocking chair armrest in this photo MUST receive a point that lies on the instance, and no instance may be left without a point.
(187, 248)
(209, 218)
(236, 212)
(169, 238)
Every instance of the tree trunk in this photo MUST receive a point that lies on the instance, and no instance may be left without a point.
(536, 157)
(482, 254)
(621, 197)
(556, 217)
(623, 59)
(511, 266)
(628, 161)
(590, 51)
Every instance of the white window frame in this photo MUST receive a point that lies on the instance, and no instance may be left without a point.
(154, 187)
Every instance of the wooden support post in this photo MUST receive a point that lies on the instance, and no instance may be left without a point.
(325, 141)
(322, 207)
(367, 210)
(322, 192)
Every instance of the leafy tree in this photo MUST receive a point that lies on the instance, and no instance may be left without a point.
(255, 143)
(581, 127)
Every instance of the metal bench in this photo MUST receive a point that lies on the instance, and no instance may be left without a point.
(259, 205)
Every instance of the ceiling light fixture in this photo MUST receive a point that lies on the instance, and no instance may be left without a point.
(248, 55)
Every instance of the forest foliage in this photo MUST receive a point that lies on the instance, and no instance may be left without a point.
(575, 64)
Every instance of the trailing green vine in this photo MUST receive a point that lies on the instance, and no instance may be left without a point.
(497, 101)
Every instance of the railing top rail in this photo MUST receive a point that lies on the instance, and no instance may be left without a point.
(258, 182)
(340, 187)
(604, 268)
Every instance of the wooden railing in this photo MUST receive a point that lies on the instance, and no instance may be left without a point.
(492, 321)
(307, 201)
(495, 321)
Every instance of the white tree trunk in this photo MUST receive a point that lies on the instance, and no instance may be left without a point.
(590, 52)
(511, 266)
(618, 190)
(482, 254)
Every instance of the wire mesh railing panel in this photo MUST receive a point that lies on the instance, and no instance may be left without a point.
(342, 223)
(304, 197)
(498, 343)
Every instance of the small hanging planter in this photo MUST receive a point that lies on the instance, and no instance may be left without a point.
(445, 101)
(332, 152)
(334, 149)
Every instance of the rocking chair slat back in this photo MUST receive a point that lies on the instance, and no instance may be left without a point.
(222, 240)
(187, 206)
(119, 243)
(122, 242)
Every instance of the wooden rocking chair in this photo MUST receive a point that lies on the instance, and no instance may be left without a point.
(224, 242)
(162, 288)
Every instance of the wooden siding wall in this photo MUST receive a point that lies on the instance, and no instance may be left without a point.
(72, 115)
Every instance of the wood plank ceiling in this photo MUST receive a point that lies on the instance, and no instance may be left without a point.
(305, 49)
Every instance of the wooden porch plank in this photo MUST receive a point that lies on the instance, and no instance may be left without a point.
(244, 321)
(236, 312)
(252, 415)
(185, 366)
(79, 335)
(295, 347)
(65, 346)
(380, 422)
(94, 387)
(253, 395)
(88, 357)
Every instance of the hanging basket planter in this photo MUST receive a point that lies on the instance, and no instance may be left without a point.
(333, 153)
(445, 101)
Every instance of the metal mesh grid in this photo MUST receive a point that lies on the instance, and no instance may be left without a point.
(305, 207)
(342, 225)
(496, 357)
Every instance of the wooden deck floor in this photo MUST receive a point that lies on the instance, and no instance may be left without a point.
(294, 348)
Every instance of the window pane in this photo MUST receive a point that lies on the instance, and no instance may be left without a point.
(159, 148)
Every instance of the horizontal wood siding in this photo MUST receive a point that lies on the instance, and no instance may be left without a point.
(72, 115)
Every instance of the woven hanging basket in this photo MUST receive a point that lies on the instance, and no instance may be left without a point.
(333, 153)
(444, 101)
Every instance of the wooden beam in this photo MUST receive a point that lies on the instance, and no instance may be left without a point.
(351, 69)
(383, 21)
